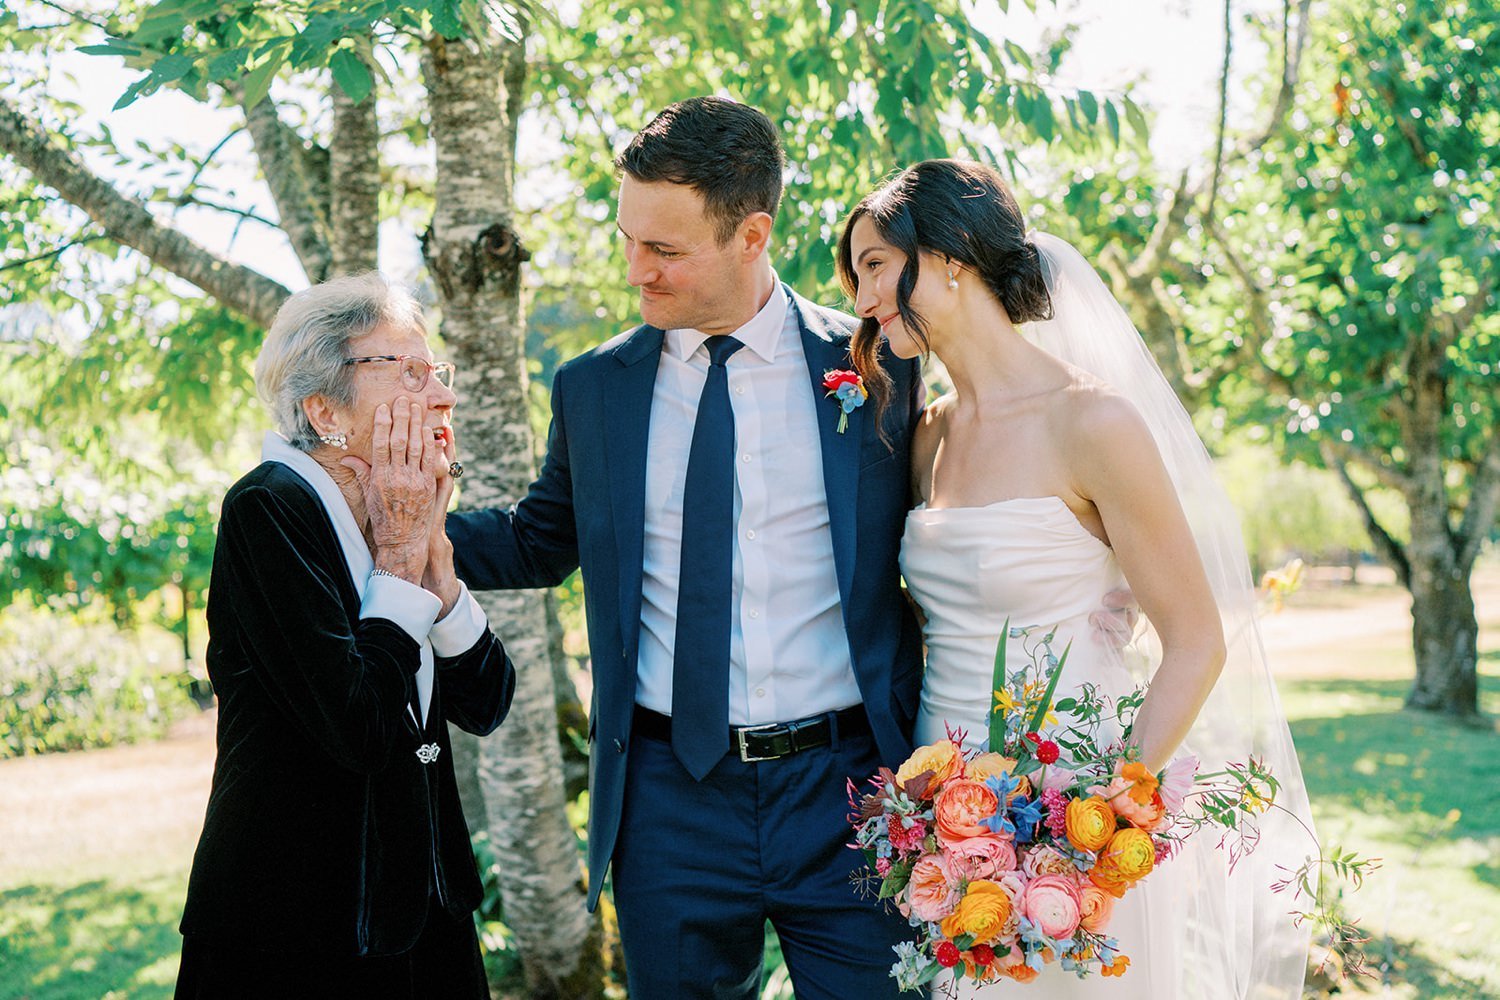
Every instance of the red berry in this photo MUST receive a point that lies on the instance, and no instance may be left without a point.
(1047, 752)
(947, 954)
(1035, 738)
(982, 954)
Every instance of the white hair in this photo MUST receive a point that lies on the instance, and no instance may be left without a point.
(308, 342)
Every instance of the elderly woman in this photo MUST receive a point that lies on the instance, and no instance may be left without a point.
(334, 859)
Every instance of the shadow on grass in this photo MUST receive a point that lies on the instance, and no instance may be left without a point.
(1396, 962)
(88, 941)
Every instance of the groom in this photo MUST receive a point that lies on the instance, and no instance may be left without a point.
(751, 646)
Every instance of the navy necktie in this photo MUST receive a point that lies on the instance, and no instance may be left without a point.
(700, 660)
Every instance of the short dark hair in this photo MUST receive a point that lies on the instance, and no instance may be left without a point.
(726, 151)
(957, 209)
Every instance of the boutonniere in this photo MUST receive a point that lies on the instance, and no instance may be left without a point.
(848, 389)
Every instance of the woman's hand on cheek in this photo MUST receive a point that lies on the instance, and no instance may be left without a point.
(400, 489)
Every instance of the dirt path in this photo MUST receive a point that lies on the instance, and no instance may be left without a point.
(69, 816)
(137, 809)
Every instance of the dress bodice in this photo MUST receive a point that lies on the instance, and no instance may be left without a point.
(1027, 561)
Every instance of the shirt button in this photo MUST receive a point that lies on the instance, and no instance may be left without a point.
(755, 614)
(760, 692)
(750, 535)
(739, 390)
(745, 457)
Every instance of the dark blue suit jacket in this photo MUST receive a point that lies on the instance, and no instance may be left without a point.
(587, 509)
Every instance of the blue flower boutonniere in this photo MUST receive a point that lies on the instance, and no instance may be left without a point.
(848, 389)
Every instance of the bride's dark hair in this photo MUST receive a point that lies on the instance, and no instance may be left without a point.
(956, 209)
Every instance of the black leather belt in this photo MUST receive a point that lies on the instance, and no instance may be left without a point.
(773, 740)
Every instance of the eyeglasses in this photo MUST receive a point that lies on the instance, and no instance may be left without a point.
(414, 370)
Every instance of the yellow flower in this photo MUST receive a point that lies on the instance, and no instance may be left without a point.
(1005, 701)
(1142, 782)
(942, 758)
(1090, 823)
(1129, 858)
(982, 912)
(987, 765)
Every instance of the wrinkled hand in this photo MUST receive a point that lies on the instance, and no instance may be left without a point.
(400, 488)
(439, 576)
(1114, 623)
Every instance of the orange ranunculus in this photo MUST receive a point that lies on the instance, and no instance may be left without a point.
(960, 809)
(1097, 906)
(1090, 823)
(943, 759)
(982, 913)
(1121, 963)
(1129, 858)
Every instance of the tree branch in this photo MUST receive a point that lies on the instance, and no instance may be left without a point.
(1291, 65)
(128, 222)
(1484, 500)
(56, 252)
(186, 200)
(279, 150)
(1390, 549)
(1213, 188)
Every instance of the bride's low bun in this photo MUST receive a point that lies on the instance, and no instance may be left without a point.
(1020, 285)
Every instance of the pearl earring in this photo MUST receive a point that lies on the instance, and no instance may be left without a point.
(952, 281)
(335, 440)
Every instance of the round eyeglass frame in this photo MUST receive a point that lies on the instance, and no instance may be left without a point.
(415, 371)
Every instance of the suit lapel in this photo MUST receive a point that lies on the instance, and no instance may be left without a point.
(627, 394)
(827, 348)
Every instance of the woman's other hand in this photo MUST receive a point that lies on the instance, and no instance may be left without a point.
(439, 576)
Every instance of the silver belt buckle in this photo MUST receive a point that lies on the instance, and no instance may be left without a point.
(739, 737)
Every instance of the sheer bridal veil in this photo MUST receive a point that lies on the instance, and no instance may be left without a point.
(1241, 941)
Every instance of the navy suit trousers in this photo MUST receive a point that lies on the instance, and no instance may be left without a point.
(701, 866)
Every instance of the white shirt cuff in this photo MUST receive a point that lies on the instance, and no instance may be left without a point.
(461, 628)
(408, 605)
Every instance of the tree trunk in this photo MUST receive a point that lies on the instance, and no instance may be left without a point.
(354, 173)
(475, 256)
(1445, 638)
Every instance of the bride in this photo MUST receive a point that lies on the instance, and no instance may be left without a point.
(1060, 470)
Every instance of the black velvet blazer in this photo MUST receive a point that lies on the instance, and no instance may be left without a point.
(325, 832)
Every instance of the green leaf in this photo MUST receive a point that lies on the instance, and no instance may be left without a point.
(1046, 702)
(351, 74)
(997, 683)
(173, 67)
(1137, 118)
(258, 80)
(113, 47)
(1089, 105)
(140, 88)
(1112, 120)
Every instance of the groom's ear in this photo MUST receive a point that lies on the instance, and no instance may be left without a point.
(753, 235)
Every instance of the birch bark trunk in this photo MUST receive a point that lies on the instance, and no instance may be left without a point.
(475, 255)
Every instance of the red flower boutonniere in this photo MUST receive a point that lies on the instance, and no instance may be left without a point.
(848, 389)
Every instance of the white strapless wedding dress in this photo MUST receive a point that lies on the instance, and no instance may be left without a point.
(1030, 561)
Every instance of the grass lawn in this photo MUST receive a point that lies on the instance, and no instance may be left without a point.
(95, 847)
(1420, 793)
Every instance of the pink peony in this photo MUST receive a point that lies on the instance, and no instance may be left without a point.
(982, 857)
(932, 891)
(1053, 904)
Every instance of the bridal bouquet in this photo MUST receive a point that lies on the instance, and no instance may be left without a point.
(1011, 859)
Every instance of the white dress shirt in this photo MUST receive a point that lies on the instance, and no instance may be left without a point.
(788, 654)
(411, 607)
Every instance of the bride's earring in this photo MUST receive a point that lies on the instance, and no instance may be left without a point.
(335, 440)
(952, 281)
